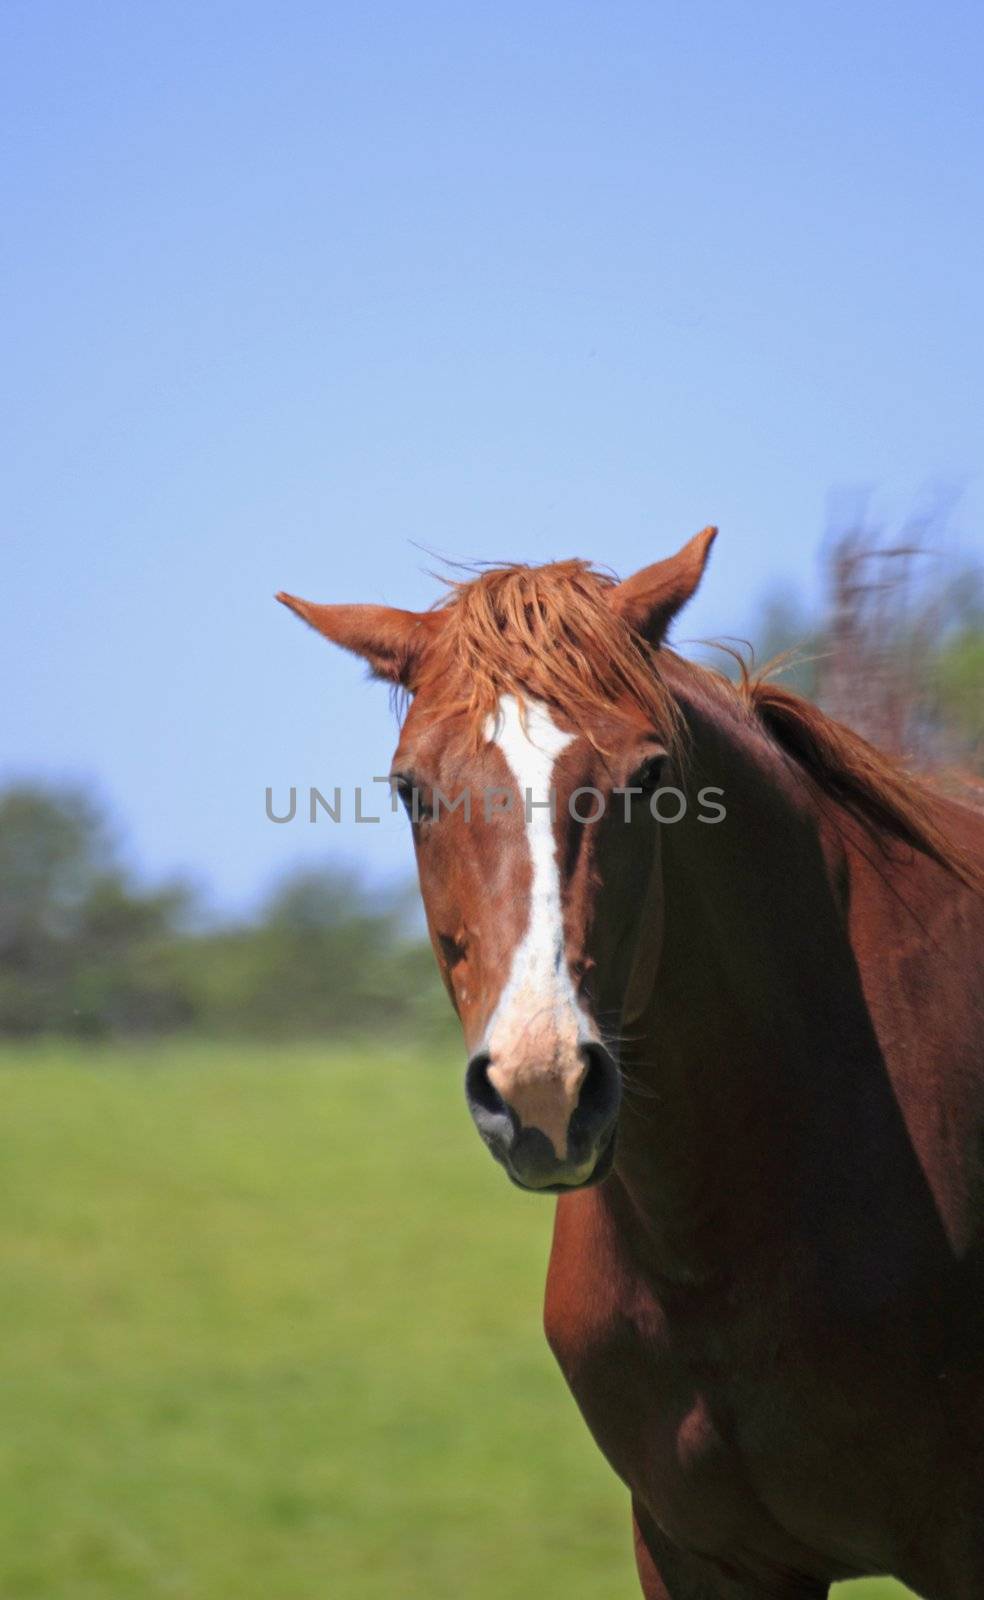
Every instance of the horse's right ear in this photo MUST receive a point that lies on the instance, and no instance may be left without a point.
(391, 641)
(650, 599)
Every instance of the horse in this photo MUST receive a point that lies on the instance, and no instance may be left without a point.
(739, 1038)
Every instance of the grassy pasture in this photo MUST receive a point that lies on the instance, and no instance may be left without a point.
(271, 1331)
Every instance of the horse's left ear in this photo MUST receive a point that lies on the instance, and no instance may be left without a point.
(651, 598)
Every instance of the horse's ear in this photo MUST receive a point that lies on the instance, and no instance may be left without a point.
(392, 641)
(651, 598)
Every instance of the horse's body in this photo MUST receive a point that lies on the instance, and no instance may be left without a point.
(771, 1311)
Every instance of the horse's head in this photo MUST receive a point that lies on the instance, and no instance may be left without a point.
(537, 732)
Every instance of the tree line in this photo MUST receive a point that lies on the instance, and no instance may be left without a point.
(87, 951)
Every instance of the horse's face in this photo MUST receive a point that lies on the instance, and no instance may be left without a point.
(538, 858)
(533, 851)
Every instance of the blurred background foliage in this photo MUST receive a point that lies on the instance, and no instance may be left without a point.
(87, 951)
(896, 648)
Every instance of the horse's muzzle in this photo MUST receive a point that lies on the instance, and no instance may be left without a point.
(526, 1152)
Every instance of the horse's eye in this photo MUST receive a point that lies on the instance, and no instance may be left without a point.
(411, 797)
(405, 792)
(649, 775)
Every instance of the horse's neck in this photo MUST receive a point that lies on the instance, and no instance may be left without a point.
(737, 1034)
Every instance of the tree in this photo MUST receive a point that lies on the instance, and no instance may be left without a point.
(76, 936)
(897, 647)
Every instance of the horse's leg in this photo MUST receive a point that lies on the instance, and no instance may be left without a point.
(667, 1573)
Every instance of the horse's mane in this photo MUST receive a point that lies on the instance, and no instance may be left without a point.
(868, 784)
(549, 633)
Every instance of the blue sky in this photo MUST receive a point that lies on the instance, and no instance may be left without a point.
(293, 289)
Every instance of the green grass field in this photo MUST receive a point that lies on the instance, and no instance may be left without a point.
(271, 1331)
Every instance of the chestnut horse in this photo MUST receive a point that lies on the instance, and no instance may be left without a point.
(720, 970)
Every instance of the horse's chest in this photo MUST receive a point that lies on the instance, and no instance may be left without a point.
(741, 1431)
(642, 1391)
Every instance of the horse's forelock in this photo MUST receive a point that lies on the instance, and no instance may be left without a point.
(546, 633)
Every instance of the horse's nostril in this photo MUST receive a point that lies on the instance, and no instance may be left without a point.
(490, 1113)
(598, 1099)
(482, 1093)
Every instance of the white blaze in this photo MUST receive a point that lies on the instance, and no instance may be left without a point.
(534, 1034)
